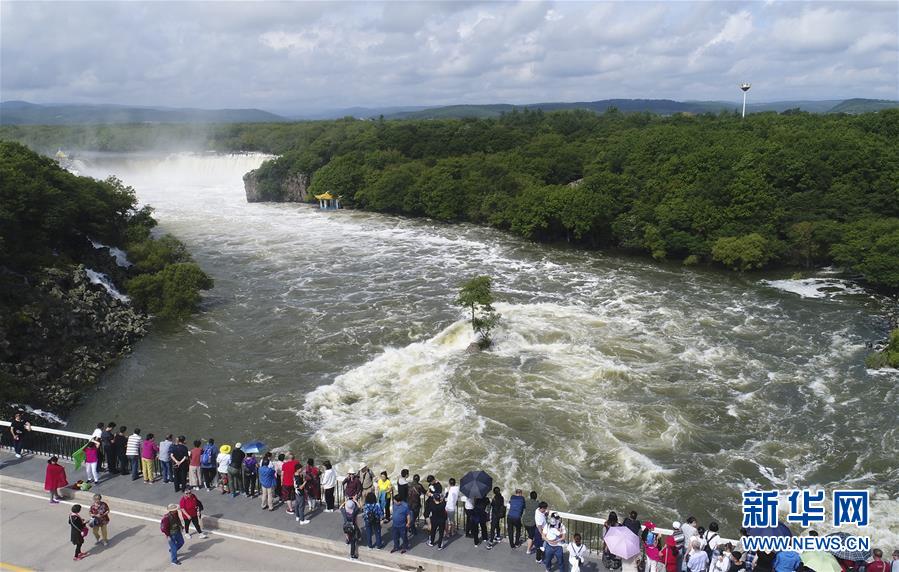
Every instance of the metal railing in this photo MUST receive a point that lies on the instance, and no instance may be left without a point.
(46, 441)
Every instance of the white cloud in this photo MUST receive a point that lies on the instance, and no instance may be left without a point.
(328, 54)
(818, 29)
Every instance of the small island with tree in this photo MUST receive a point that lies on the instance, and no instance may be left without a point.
(476, 295)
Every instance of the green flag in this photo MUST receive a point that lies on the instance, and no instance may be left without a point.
(78, 457)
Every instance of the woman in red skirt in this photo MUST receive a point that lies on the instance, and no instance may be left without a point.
(55, 479)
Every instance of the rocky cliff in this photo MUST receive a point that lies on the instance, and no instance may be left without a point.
(293, 189)
(68, 330)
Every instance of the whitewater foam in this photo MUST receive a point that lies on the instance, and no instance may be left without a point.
(817, 287)
(121, 257)
(103, 280)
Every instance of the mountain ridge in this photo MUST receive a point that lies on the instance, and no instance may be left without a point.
(18, 112)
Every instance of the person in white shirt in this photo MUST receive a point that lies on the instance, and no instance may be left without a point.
(329, 483)
(539, 523)
(553, 541)
(452, 499)
(721, 561)
(223, 461)
(689, 529)
(470, 525)
(577, 553)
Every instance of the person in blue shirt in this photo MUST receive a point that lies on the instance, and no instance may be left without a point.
(371, 521)
(787, 561)
(402, 519)
(267, 484)
(513, 518)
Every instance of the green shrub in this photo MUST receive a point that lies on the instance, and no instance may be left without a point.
(889, 356)
(172, 293)
(743, 253)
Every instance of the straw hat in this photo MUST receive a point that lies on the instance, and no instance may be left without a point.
(171, 508)
(225, 449)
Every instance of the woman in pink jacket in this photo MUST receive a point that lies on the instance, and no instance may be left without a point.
(148, 452)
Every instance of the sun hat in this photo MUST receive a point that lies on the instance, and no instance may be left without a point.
(237, 445)
(171, 508)
(649, 525)
(675, 525)
(225, 449)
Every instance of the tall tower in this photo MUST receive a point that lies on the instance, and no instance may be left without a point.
(745, 87)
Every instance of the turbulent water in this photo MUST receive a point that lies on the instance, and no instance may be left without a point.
(615, 382)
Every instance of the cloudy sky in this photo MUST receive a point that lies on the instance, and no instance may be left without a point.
(303, 56)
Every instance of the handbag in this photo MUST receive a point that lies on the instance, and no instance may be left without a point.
(84, 532)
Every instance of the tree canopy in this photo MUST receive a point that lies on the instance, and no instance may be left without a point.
(793, 189)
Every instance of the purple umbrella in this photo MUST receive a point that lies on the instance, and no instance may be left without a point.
(622, 542)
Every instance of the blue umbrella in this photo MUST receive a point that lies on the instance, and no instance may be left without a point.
(253, 447)
(476, 484)
(779, 530)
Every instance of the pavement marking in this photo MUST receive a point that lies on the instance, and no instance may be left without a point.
(14, 568)
(343, 559)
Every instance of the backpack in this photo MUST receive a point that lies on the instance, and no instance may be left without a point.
(250, 464)
(206, 456)
(708, 547)
(372, 518)
(349, 527)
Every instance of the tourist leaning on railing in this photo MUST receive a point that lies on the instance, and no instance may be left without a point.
(207, 463)
(148, 453)
(223, 463)
(107, 443)
(329, 484)
(165, 458)
(120, 444)
(133, 453)
(19, 429)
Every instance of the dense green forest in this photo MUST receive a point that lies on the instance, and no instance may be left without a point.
(789, 189)
(48, 217)
(58, 330)
(792, 189)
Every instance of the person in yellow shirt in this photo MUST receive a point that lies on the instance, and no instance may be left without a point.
(385, 494)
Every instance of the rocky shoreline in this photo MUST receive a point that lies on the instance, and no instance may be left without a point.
(68, 331)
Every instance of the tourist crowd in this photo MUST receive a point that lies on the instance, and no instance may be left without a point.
(408, 505)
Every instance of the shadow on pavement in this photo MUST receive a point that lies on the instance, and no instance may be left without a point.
(197, 545)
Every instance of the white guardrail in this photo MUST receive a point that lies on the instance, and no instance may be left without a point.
(564, 515)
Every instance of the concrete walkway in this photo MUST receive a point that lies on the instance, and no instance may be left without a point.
(244, 516)
(35, 536)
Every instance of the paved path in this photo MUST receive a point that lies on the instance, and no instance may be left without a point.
(35, 536)
(460, 550)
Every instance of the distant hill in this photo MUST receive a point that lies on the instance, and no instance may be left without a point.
(25, 113)
(363, 112)
(656, 106)
(859, 105)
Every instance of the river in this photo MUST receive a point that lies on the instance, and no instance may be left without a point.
(615, 382)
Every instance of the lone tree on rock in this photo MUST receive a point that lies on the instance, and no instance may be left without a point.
(476, 295)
